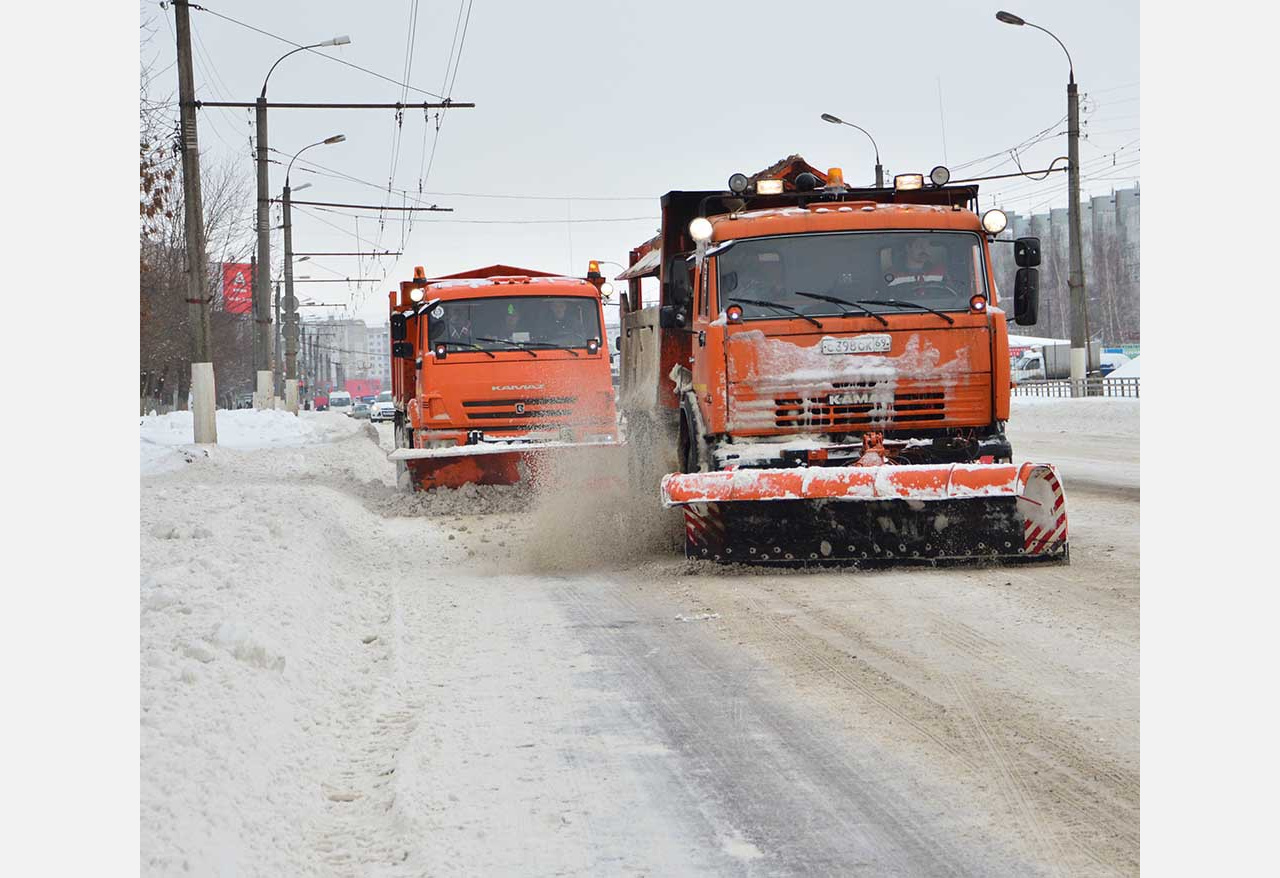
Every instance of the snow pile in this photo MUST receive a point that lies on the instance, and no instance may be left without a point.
(249, 428)
(266, 624)
(1131, 369)
(1095, 415)
(454, 502)
(167, 440)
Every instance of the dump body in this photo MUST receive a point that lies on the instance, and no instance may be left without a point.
(496, 374)
(813, 346)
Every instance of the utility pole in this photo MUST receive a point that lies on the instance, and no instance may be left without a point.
(203, 391)
(262, 285)
(291, 310)
(275, 347)
(1075, 279)
(1075, 282)
(291, 303)
(262, 277)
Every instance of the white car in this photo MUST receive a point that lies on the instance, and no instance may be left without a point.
(383, 408)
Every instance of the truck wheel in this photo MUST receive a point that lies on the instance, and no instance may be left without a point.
(691, 448)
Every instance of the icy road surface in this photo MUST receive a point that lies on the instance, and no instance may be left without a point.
(340, 680)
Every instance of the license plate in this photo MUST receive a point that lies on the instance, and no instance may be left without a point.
(858, 344)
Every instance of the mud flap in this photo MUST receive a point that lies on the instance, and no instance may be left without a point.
(1020, 516)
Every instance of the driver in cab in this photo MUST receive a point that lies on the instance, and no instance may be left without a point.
(563, 326)
(921, 263)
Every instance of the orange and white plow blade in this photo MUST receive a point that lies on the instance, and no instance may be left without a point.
(507, 464)
(877, 513)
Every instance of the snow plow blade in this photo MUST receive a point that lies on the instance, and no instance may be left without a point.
(873, 515)
(507, 463)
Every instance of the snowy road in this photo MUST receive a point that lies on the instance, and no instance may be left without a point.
(337, 679)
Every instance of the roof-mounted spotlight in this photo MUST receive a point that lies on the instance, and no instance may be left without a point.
(905, 182)
(994, 221)
(806, 182)
(738, 184)
(700, 230)
(940, 175)
(769, 187)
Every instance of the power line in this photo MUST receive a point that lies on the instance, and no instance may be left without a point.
(313, 51)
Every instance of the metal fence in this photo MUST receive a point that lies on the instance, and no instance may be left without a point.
(1085, 387)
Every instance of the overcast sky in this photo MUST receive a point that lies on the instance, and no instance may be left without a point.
(588, 110)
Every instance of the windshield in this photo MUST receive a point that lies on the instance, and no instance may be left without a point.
(384, 396)
(884, 272)
(499, 324)
(336, 400)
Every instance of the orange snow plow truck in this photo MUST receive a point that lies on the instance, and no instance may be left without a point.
(826, 370)
(496, 373)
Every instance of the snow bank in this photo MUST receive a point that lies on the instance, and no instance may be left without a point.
(1131, 369)
(1095, 416)
(166, 440)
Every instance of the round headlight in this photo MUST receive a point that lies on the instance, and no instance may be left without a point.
(994, 221)
(978, 303)
(417, 294)
(700, 229)
(738, 184)
(940, 175)
(606, 289)
(733, 314)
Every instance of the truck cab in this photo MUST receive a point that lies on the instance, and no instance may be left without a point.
(799, 318)
(496, 360)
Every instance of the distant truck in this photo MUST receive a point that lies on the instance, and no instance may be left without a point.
(1050, 361)
(496, 372)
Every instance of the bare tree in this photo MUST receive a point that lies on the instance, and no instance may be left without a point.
(164, 351)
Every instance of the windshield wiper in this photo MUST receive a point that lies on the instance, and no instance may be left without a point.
(838, 301)
(467, 346)
(519, 345)
(901, 304)
(525, 345)
(780, 307)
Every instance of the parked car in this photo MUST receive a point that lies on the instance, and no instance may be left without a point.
(383, 408)
(340, 401)
(359, 410)
(322, 403)
(244, 400)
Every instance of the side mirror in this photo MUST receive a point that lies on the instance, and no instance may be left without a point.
(399, 327)
(402, 349)
(1026, 252)
(617, 343)
(671, 317)
(1026, 296)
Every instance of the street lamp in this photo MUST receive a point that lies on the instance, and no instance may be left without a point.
(1075, 279)
(836, 120)
(262, 276)
(290, 303)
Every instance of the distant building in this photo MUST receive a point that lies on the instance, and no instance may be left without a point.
(1110, 243)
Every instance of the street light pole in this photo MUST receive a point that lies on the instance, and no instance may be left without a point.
(835, 120)
(262, 277)
(1075, 279)
(291, 303)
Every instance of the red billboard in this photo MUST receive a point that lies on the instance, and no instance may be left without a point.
(237, 287)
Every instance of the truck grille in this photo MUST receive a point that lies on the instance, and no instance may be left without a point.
(863, 406)
(869, 407)
(539, 409)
